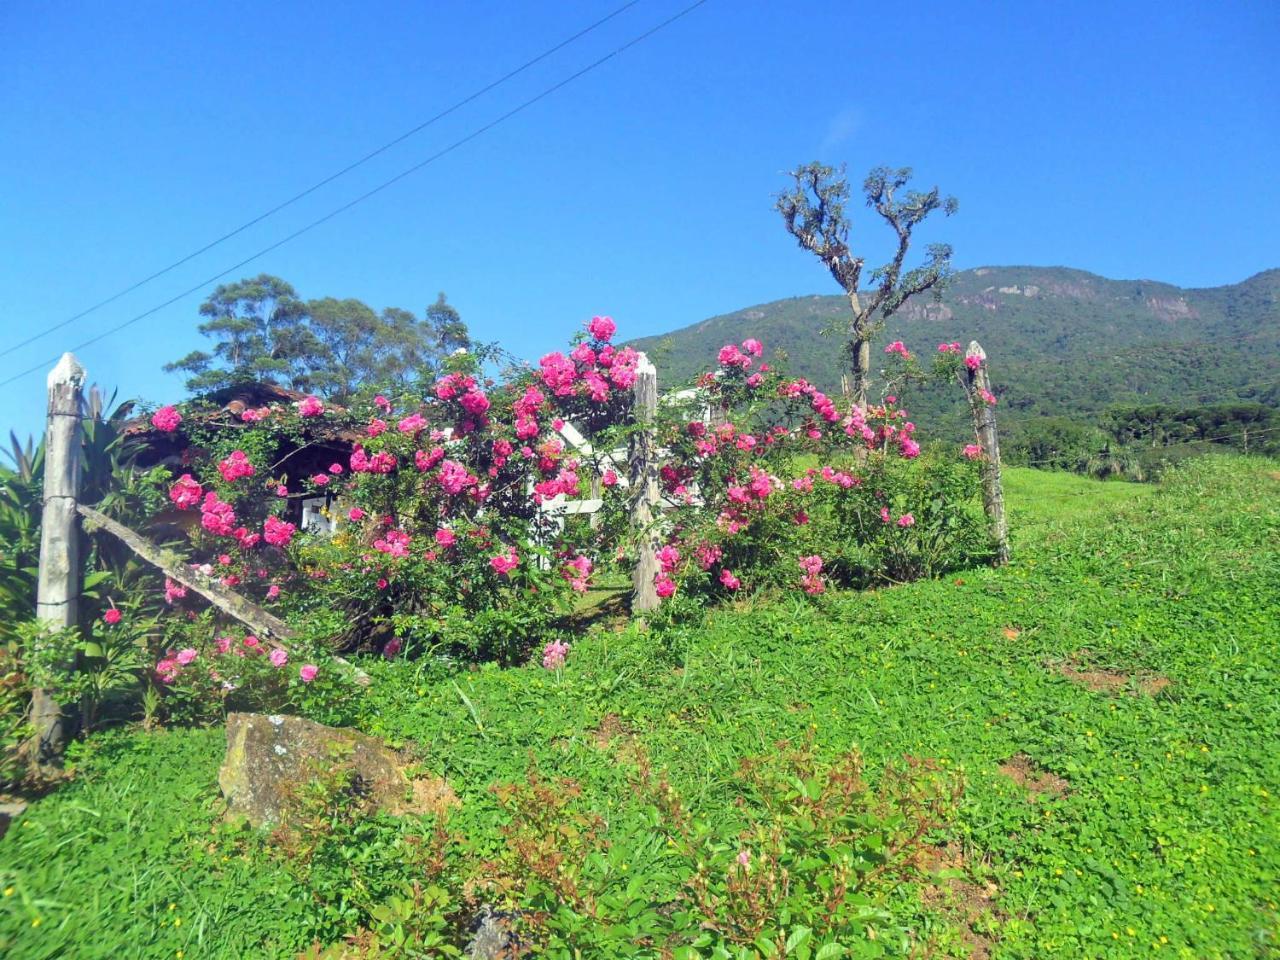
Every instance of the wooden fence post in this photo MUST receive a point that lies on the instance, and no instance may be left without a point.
(977, 386)
(644, 486)
(58, 591)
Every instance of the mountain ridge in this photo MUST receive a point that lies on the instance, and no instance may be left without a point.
(1061, 341)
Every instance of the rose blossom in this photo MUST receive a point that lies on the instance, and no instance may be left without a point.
(166, 419)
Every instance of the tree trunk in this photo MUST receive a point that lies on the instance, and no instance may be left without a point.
(860, 351)
(58, 590)
(644, 487)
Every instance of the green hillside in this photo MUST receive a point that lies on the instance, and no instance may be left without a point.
(1060, 341)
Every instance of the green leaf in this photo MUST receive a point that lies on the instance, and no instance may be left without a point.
(797, 936)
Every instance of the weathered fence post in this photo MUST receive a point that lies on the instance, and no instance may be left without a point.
(58, 591)
(977, 386)
(644, 486)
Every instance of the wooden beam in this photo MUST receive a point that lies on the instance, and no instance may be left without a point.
(264, 624)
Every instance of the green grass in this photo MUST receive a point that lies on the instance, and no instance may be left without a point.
(1166, 841)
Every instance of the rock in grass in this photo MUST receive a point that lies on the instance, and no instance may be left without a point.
(272, 759)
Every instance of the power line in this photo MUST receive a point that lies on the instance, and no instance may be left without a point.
(327, 180)
(376, 190)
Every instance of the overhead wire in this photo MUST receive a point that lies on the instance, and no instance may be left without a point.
(378, 151)
(479, 131)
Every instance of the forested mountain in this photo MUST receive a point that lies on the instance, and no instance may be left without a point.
(1060, 341)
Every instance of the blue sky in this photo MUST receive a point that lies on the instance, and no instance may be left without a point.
(1136, 140)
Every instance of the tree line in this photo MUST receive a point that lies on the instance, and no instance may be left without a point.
(262, 331)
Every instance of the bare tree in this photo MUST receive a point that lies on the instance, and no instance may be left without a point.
(813, 212)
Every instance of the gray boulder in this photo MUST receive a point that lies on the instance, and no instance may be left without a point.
(270, 758)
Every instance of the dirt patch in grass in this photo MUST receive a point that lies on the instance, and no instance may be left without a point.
(1112, 681)
(1037, 781)
(956, 894)
(610, 730)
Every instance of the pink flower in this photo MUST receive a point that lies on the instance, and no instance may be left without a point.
(111, 617)
(278, 658)
(454, 477)
(308, 672)
(753, 347)
(277, 532)
(475, 402)
(320, 479)
(972, 451)
(811, 565)
(578, 572)
(668, 558)
(394, 543)
(885, 515)
(382, 403)
(609, 479)
(558, 373)
(906, 520)
(412, 423)
(664, 585)
(973, 362)
(602, 328)
(392, 648)
(899, 348)
(166, 419)
(355, 514)
(235, 466)
(948, 348)
(173, 591)
(217, 516)
(728, 580)
(273, 591)
(376, 427)
(744, 858)
(553, 655)
(708, 555)
(167, 669)
(310, 407)
(335, 469)
(504, 563)
(186, 655)
(186, 492)
(988, 397)
(282, 491)
(446, 538)
(731, 356)
(424, 460)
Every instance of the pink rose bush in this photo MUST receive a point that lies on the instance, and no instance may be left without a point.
(449, 508)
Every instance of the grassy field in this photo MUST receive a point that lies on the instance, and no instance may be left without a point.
(1111, 700)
